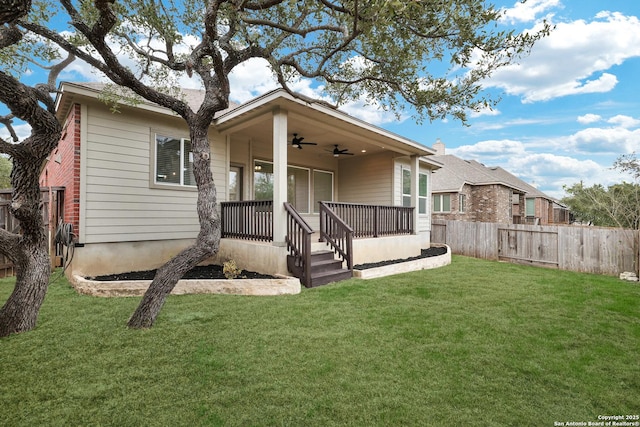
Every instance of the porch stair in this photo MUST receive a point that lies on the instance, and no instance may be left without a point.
(324, 269)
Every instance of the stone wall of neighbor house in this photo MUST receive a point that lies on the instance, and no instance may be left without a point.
(455, 215)
(492, 203)
(63, 167)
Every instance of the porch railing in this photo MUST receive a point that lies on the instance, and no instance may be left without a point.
(374, 220)
(337, 233)
(248, 220)
(298, 241)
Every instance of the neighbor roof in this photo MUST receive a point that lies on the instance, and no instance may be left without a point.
(456, 172)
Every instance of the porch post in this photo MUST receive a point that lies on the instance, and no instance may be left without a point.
(279, 175)
(415, 182)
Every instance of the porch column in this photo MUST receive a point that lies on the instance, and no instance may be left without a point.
(279, 175)
(415, 182)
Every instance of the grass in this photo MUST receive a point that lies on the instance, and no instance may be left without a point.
(475, 343)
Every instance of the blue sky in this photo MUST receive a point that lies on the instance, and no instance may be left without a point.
(568, 110)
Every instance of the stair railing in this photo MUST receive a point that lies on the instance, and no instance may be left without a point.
(337, 233)
(298, 241)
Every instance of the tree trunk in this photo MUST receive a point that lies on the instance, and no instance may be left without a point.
(20, 311)
(206, 245)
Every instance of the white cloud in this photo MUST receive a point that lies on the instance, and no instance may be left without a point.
(488, 111)
(22, 131)
(573, 59)
(489, 149)
(624, 121)
(615, 140)
(250, 79)
(527, 12)
(588, 118)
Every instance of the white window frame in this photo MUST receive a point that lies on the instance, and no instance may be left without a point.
(154, 168)
(310, 182)
(530, 212)
(440, 198)
(405, 196)
(425, 198)
(462, 203)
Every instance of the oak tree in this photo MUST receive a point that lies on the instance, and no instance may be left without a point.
(27, 248)
(616, 205)
(422, 56)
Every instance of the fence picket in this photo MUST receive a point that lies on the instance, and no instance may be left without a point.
(596, 250)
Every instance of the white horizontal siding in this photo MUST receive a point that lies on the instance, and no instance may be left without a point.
(120, 204)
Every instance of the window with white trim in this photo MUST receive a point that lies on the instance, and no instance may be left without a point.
(422, 193)
(530, 207)
(173, 161)
(462, 203)
(442, 202)
(406, 187)
(298, 185)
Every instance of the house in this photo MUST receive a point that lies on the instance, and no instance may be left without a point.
(467, 190)
(130, 195)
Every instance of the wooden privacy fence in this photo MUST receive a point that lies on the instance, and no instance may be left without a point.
(52, 211)
(596, 250)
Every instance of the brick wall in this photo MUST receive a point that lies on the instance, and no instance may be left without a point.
(455, 214)
(63, 167)
(492, 203)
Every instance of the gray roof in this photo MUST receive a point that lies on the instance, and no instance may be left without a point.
(193, 97)
(456, 172)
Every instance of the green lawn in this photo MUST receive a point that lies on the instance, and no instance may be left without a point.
(474, 343)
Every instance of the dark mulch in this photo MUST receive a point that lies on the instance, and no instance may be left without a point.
(215, 271)
(200, 272)
(426, 253)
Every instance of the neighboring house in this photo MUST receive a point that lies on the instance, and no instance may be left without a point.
(467, 190)
(130, 195)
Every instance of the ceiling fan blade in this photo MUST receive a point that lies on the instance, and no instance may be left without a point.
(297, 141)
(337, 152)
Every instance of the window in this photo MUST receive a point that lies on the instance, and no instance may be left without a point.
(322, 188)
(406, 187)
(442, 203)
(422, 193)
(173, 161)
(298, 185)
(298, 188)
(530, 207)
(462, 203)
(235, 183)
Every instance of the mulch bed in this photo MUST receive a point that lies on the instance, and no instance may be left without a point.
(215, 271)
(426, 253)
(200, 272)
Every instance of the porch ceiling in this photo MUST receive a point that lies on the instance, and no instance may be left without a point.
(315, 123)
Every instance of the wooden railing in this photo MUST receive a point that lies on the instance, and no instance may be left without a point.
(373, 220)
(248, 220)
(298, 241)
(337, 233)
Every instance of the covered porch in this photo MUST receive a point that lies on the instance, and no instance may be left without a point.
(291, 161)
(349, 234)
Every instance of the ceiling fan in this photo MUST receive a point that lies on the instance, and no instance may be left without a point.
(337, 152)
(297, 141)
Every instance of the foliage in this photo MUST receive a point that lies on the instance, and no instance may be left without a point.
(430, 57)
(5, 172)
(231, 269)
(475, 343)
(617, 205)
